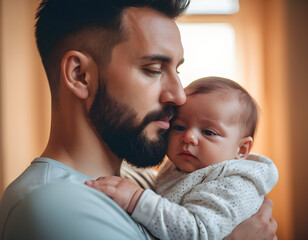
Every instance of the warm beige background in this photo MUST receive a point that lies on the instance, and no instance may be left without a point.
(272, 49)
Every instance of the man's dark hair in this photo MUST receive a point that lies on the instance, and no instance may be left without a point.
(57, 20)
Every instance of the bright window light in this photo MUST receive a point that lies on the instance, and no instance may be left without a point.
(209, 50)
(213, 7)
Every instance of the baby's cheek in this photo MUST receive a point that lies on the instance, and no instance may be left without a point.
(173, 137)
(171, 151)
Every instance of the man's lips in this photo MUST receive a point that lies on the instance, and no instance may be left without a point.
(163, 123)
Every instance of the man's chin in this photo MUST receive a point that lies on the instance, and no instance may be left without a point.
(148, 152)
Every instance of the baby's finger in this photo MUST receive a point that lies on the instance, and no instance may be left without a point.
(111, 180)
(89, 182)
(107, 189)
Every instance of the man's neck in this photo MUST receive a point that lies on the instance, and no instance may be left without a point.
(76, 144)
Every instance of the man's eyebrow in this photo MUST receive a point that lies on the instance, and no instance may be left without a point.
(160, 58)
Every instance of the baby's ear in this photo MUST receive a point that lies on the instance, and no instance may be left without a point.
(244, 147)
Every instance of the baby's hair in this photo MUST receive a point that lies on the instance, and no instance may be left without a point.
(249, 109)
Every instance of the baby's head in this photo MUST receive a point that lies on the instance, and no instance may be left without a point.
(217, 123)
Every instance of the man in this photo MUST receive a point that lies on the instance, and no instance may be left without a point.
(112, 71)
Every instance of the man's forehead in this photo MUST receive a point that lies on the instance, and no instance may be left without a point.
(152, 31)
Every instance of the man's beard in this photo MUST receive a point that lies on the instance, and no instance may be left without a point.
(115, 123)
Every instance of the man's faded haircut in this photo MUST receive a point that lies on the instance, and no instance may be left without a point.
(59, 22)
(248, 116)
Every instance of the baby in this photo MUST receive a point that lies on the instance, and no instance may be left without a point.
(210, 183)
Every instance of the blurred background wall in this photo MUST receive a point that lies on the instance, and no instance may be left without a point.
(272, 53)
(24, 93)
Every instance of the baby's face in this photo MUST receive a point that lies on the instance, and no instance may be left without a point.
(206, 131)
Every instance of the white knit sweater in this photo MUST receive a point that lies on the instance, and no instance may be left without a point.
(207, 203)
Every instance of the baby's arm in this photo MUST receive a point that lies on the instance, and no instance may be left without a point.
(123, 191)
(164, 219)
(127, 194)
(200, 216)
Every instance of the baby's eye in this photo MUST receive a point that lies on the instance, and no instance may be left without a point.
(208, 132)
(178, 128)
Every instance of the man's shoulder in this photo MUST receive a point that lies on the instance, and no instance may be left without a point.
(37, 176)
(50, 201)
(69, 197)
(66, 210)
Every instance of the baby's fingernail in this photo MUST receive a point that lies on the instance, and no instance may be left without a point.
(88, 182)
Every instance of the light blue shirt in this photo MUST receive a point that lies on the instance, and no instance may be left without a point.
(49, 201)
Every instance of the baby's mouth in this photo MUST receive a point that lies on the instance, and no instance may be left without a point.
(187, 154)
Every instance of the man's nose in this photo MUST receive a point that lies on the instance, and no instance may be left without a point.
(190, 137)
(173, 92)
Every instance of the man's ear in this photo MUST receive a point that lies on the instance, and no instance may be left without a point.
(244, 147)
(79, 73)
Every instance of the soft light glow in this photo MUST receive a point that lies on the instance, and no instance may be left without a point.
(213, 7)
(209, 50)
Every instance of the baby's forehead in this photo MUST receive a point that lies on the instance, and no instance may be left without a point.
(223, 104)
(199, 89)
(217, 94)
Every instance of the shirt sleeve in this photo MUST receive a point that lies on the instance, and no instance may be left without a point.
(70, 211)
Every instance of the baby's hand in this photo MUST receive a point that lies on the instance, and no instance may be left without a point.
(123, 191)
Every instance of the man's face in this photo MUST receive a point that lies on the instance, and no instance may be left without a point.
(140, 89)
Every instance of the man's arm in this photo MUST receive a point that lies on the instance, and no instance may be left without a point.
(261, 226)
